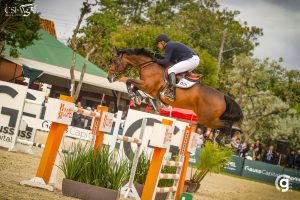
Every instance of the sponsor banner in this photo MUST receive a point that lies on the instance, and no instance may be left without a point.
(235, 166)
(11, 105)
(162, 135)
(39, 124)
(79, 133)
(33, 111)
(261, 171)
(294, 178)
(133, 125)
(106, 122)
(59, 111)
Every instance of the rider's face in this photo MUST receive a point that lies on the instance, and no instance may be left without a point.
(160, 45)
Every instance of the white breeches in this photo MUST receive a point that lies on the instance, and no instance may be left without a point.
(185, 65)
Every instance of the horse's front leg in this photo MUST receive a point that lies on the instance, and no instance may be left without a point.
(133, 85)
(137, 85)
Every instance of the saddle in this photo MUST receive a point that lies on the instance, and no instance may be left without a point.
(184, 79)
(188, 75)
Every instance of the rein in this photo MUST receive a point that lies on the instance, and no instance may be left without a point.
(141, 66)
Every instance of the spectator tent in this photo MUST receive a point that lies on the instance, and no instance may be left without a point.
(49, 61)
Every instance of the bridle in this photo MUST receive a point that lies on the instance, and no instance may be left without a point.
(119, 64)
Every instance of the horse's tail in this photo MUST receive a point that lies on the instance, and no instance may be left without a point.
(233, 112)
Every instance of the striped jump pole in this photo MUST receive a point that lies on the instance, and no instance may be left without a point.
(34, 144)
(129, 189)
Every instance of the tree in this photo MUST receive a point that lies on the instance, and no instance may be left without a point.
(199, 24)
(86, 8)
(16, 30)
(97, 32)
(264, 112)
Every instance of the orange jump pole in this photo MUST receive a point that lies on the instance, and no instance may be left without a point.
(154, 169)
(52, 146)
(99, 134)
(184, 152)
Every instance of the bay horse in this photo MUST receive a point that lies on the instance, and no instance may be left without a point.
(213, 108)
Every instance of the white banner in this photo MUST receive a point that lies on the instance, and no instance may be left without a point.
(106, 122)
(11, 105)
(59, 111)
(36, 123)
(133, 125)
(79, 133)
(32, 111)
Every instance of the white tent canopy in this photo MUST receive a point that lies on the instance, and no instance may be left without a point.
(65, 73)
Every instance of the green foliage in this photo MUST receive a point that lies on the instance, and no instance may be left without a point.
(198, 24)
(261, 88)
(209, 68)
(17, 31)
(167, 182)
(213, 158)
(205, 22)
(142, 168)
(94, 167)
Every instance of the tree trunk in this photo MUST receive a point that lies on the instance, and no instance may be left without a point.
(222, 47)
(83, 72)
(84, 10)
(72, 74)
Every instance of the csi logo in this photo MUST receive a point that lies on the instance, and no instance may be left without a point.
(282, 183)
(21, 10)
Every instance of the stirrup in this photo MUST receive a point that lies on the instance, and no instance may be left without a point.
(171, 96)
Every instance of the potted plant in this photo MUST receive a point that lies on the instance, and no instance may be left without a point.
(213, 158)
(91, 174)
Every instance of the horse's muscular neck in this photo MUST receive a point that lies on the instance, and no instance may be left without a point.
(136, 61)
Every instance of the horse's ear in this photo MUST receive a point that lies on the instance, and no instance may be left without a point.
(116, 49)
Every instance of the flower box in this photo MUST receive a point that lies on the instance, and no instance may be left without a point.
(88, 192)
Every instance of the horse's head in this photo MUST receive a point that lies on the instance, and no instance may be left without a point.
(125, 59)
(118, 66)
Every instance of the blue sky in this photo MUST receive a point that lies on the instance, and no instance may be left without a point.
(280, 20)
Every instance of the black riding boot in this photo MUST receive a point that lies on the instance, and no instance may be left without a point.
(172, 84)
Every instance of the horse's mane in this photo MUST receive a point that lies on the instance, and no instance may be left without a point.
(140, 51)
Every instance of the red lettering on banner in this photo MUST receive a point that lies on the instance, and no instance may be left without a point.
(107, 121)
(65, 112)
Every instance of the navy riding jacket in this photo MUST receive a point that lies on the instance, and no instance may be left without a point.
(175, 52)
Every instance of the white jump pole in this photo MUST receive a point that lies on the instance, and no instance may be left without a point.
(129, 188)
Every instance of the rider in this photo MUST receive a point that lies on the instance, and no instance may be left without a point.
(183, 58)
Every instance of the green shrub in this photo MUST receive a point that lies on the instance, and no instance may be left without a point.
(213, 158)
(98, 167)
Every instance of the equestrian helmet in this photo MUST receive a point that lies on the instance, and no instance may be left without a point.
(162, 37)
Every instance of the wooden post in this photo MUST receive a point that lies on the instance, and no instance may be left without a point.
(99, 134)
(154, 169)
(184, 152)
(52, 145)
